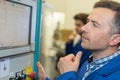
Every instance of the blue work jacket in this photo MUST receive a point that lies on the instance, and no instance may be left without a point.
(111, 71)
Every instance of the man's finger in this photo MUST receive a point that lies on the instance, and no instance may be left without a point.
(70, 56)
(41, 72)
(78, 57)
(40, 67)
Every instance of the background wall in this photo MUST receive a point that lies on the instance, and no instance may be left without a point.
(59, 5)
(71, 7)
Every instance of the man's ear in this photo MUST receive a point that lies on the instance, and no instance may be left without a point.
(115, 40)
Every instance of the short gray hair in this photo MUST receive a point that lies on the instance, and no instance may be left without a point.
(114, 6)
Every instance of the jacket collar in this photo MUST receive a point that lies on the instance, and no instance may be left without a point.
(109, 68)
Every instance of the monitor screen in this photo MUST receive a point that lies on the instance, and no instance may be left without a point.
(15, 24)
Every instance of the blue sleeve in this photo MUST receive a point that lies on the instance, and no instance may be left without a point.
(68, 76)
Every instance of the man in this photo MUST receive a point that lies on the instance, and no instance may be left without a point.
(73, 45)
(101, 35)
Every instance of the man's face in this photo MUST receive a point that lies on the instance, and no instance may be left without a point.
(78, 25)
(96, 33)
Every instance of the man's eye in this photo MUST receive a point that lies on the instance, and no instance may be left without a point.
(95, 25)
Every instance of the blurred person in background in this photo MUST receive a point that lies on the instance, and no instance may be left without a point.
(73, 45)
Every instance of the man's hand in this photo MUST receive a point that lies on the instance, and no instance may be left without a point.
(69, 63)
(41, 72)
